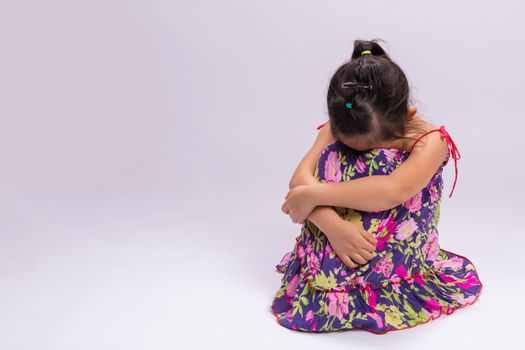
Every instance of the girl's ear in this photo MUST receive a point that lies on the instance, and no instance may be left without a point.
(412, 112)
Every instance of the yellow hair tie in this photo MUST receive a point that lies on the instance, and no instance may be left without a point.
(366, 52)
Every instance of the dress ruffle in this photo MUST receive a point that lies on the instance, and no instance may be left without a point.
(402, 302)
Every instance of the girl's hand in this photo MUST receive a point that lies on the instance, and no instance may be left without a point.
(298, 203)
(352, 244)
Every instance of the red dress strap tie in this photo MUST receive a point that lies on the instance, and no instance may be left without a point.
(452, 149)
(321, 125)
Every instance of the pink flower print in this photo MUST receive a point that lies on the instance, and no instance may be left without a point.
(300, 252)
(338, 304)
(360, 281)
(388, 225)
(386, 268)
(360, 166)
(372, 297)
(401, 271)
(384, 265)
(431, 246)
(376, 318)
(414, 203)
(332, 168)
(309, 248)
(292, 286)
(434, 194)
(470, 280)
(396, 287)
(288, 315)
(309, 316)
(432, 304)
(398, 276)
(389, 154)
(454, 263)
(284, 261)
(419, 280)
(328, 249)
(313, 263)
(405, 229)
(448, 279)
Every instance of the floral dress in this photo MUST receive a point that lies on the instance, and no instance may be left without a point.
(410, 281)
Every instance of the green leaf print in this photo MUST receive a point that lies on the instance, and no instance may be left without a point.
(410, 312)
(417, 242)
(297, 307)
(373, 165)
(312, 227)
(351, 316)
(393, 317)
(422, 315)
(396, 297)
(323, 281)
(330, 323)
(412, 322)
(351, 300)
(407, 251)
(381, 307)
(429, 290)
(387, 295)
(319, 242)
(361, 316)
(435, 218)
(323, 307)
(348, 172)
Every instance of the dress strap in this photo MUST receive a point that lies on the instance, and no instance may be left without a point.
(321, 125)
(451, 148)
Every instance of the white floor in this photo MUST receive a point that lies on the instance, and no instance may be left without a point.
(118, 275)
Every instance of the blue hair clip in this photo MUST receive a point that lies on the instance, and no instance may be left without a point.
(348, 105)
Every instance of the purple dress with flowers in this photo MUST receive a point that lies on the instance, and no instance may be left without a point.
(411, 281)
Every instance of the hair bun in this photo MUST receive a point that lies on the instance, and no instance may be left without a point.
(369, 47)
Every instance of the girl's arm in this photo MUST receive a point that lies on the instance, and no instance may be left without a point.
(382, 192)
(323, 217)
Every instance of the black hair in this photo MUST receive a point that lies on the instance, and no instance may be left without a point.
(378, 91)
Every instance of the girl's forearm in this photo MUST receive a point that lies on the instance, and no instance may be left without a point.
(302, 178)
(370, 193)
(324, 217)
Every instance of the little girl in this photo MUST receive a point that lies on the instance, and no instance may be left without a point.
(368, 195)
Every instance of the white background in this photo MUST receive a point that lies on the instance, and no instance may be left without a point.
(146, 149)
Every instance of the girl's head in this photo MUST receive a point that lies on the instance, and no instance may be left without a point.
(368, 99)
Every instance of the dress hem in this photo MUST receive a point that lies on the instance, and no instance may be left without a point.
(447, 309)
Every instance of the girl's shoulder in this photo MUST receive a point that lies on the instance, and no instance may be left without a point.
(424, 130)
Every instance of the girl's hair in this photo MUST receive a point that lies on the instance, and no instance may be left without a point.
(378, 91)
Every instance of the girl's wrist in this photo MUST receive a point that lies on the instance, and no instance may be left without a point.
(326, 219)
(313, 193)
